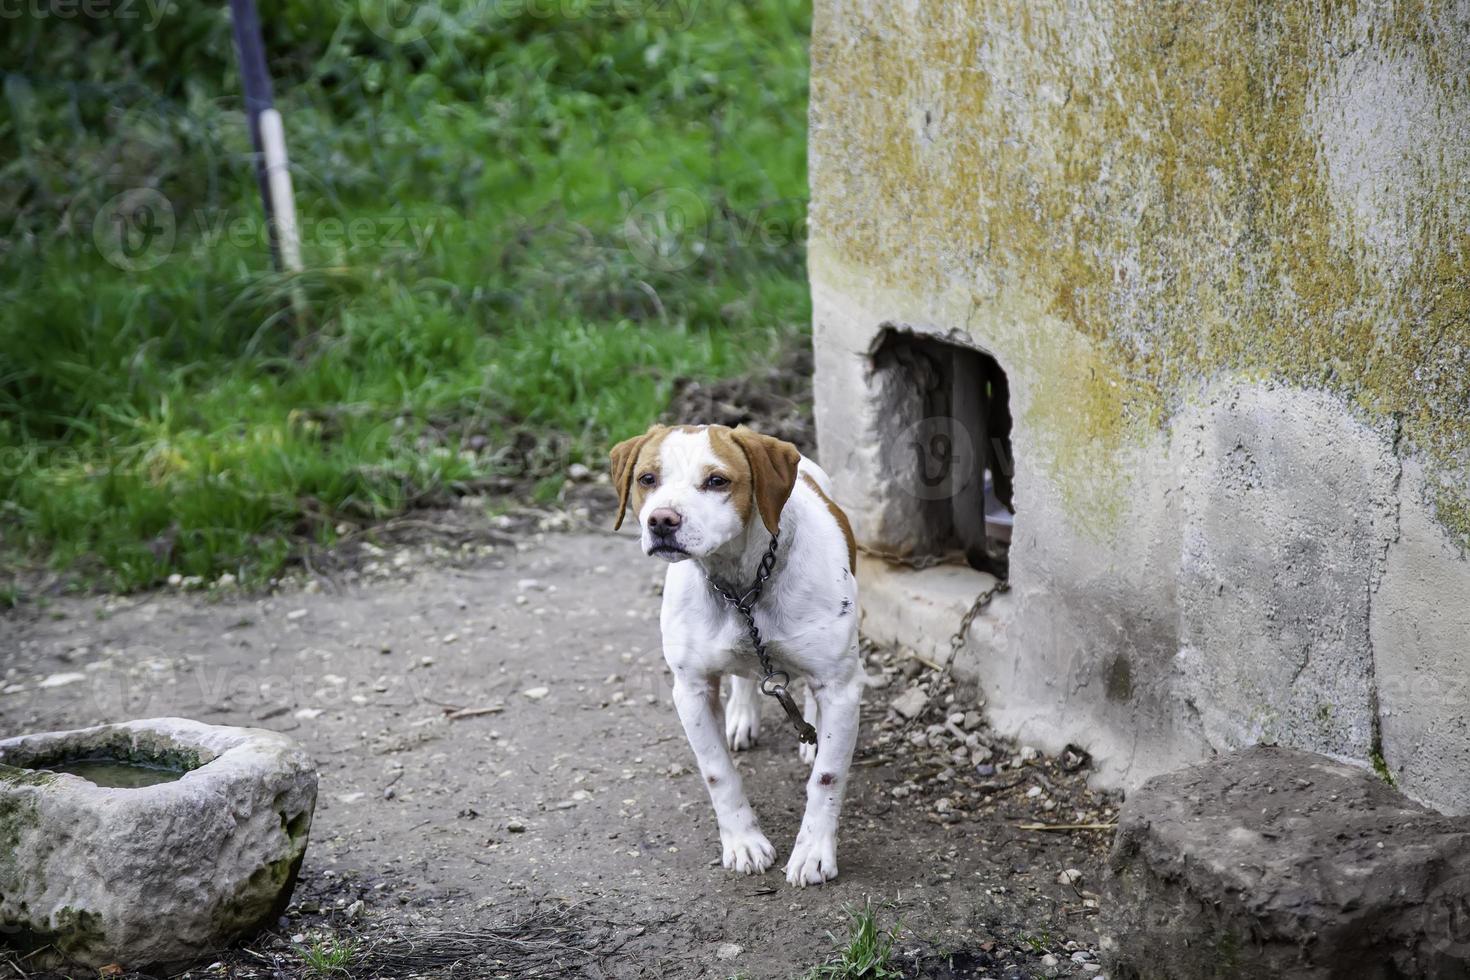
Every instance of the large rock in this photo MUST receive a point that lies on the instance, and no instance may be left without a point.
(155, 875)
(1278, 863)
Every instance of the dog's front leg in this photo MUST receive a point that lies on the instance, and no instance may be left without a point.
(744, 847)
(814, 857)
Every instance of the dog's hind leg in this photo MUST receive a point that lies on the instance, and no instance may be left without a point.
(812, 715)
(743, 847)
(742, 713)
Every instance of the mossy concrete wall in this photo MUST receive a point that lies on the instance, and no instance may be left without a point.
(1223, 252)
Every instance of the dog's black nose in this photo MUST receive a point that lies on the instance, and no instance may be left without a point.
(665, 520)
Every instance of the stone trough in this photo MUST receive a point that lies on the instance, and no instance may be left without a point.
(192, 839)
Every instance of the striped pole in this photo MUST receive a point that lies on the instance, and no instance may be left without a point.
(268, 137)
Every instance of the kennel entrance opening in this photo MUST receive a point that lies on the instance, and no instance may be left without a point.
(945, 428)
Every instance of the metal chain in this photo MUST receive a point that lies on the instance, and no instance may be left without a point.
(745, 605)
(957, 643)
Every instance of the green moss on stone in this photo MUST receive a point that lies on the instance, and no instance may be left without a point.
(1380, 766)
(18, 813)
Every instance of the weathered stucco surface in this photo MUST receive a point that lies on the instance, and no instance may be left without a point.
(1223, 253)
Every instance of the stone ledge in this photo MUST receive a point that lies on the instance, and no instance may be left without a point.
(1273, 862)
(921, 608)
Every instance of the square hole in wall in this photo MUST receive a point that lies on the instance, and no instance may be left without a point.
(944, 433)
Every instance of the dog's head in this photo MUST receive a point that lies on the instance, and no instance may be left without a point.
(695, 488)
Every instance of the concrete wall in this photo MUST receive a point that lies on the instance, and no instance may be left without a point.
(1223, 252)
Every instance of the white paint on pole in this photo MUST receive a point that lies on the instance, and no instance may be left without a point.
(278, 180)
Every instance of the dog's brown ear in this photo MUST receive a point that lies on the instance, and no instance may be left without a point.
(773, 466)
(623, 456)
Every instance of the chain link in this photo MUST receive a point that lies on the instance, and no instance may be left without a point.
(957, 641)
(956, 644)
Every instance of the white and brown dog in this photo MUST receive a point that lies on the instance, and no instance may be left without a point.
(708, 500)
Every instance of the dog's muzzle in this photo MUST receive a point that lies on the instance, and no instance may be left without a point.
(663, 532)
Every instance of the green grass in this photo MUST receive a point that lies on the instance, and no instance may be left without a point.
(495, 282)
(329, 957)
(866, 953)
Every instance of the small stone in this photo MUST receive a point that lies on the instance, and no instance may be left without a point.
(971, 720)
(728, 951)
(910, 702)
(61, 680)
(355, 909)
(515, 826)
(1033, 792)
(911, 668)
(296, 614)
(1050, 961)
(578, 473)
(1071, 876)
(985, 770)
(308, 714)
(536, 693)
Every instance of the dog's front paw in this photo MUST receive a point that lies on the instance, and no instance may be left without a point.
(813, 859)
(747, 851)
(742, 724)
(807, 751)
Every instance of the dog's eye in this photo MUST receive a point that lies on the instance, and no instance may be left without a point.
(648, 479)
(715, 482)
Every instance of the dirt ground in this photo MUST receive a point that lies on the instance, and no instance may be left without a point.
(566, 789)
